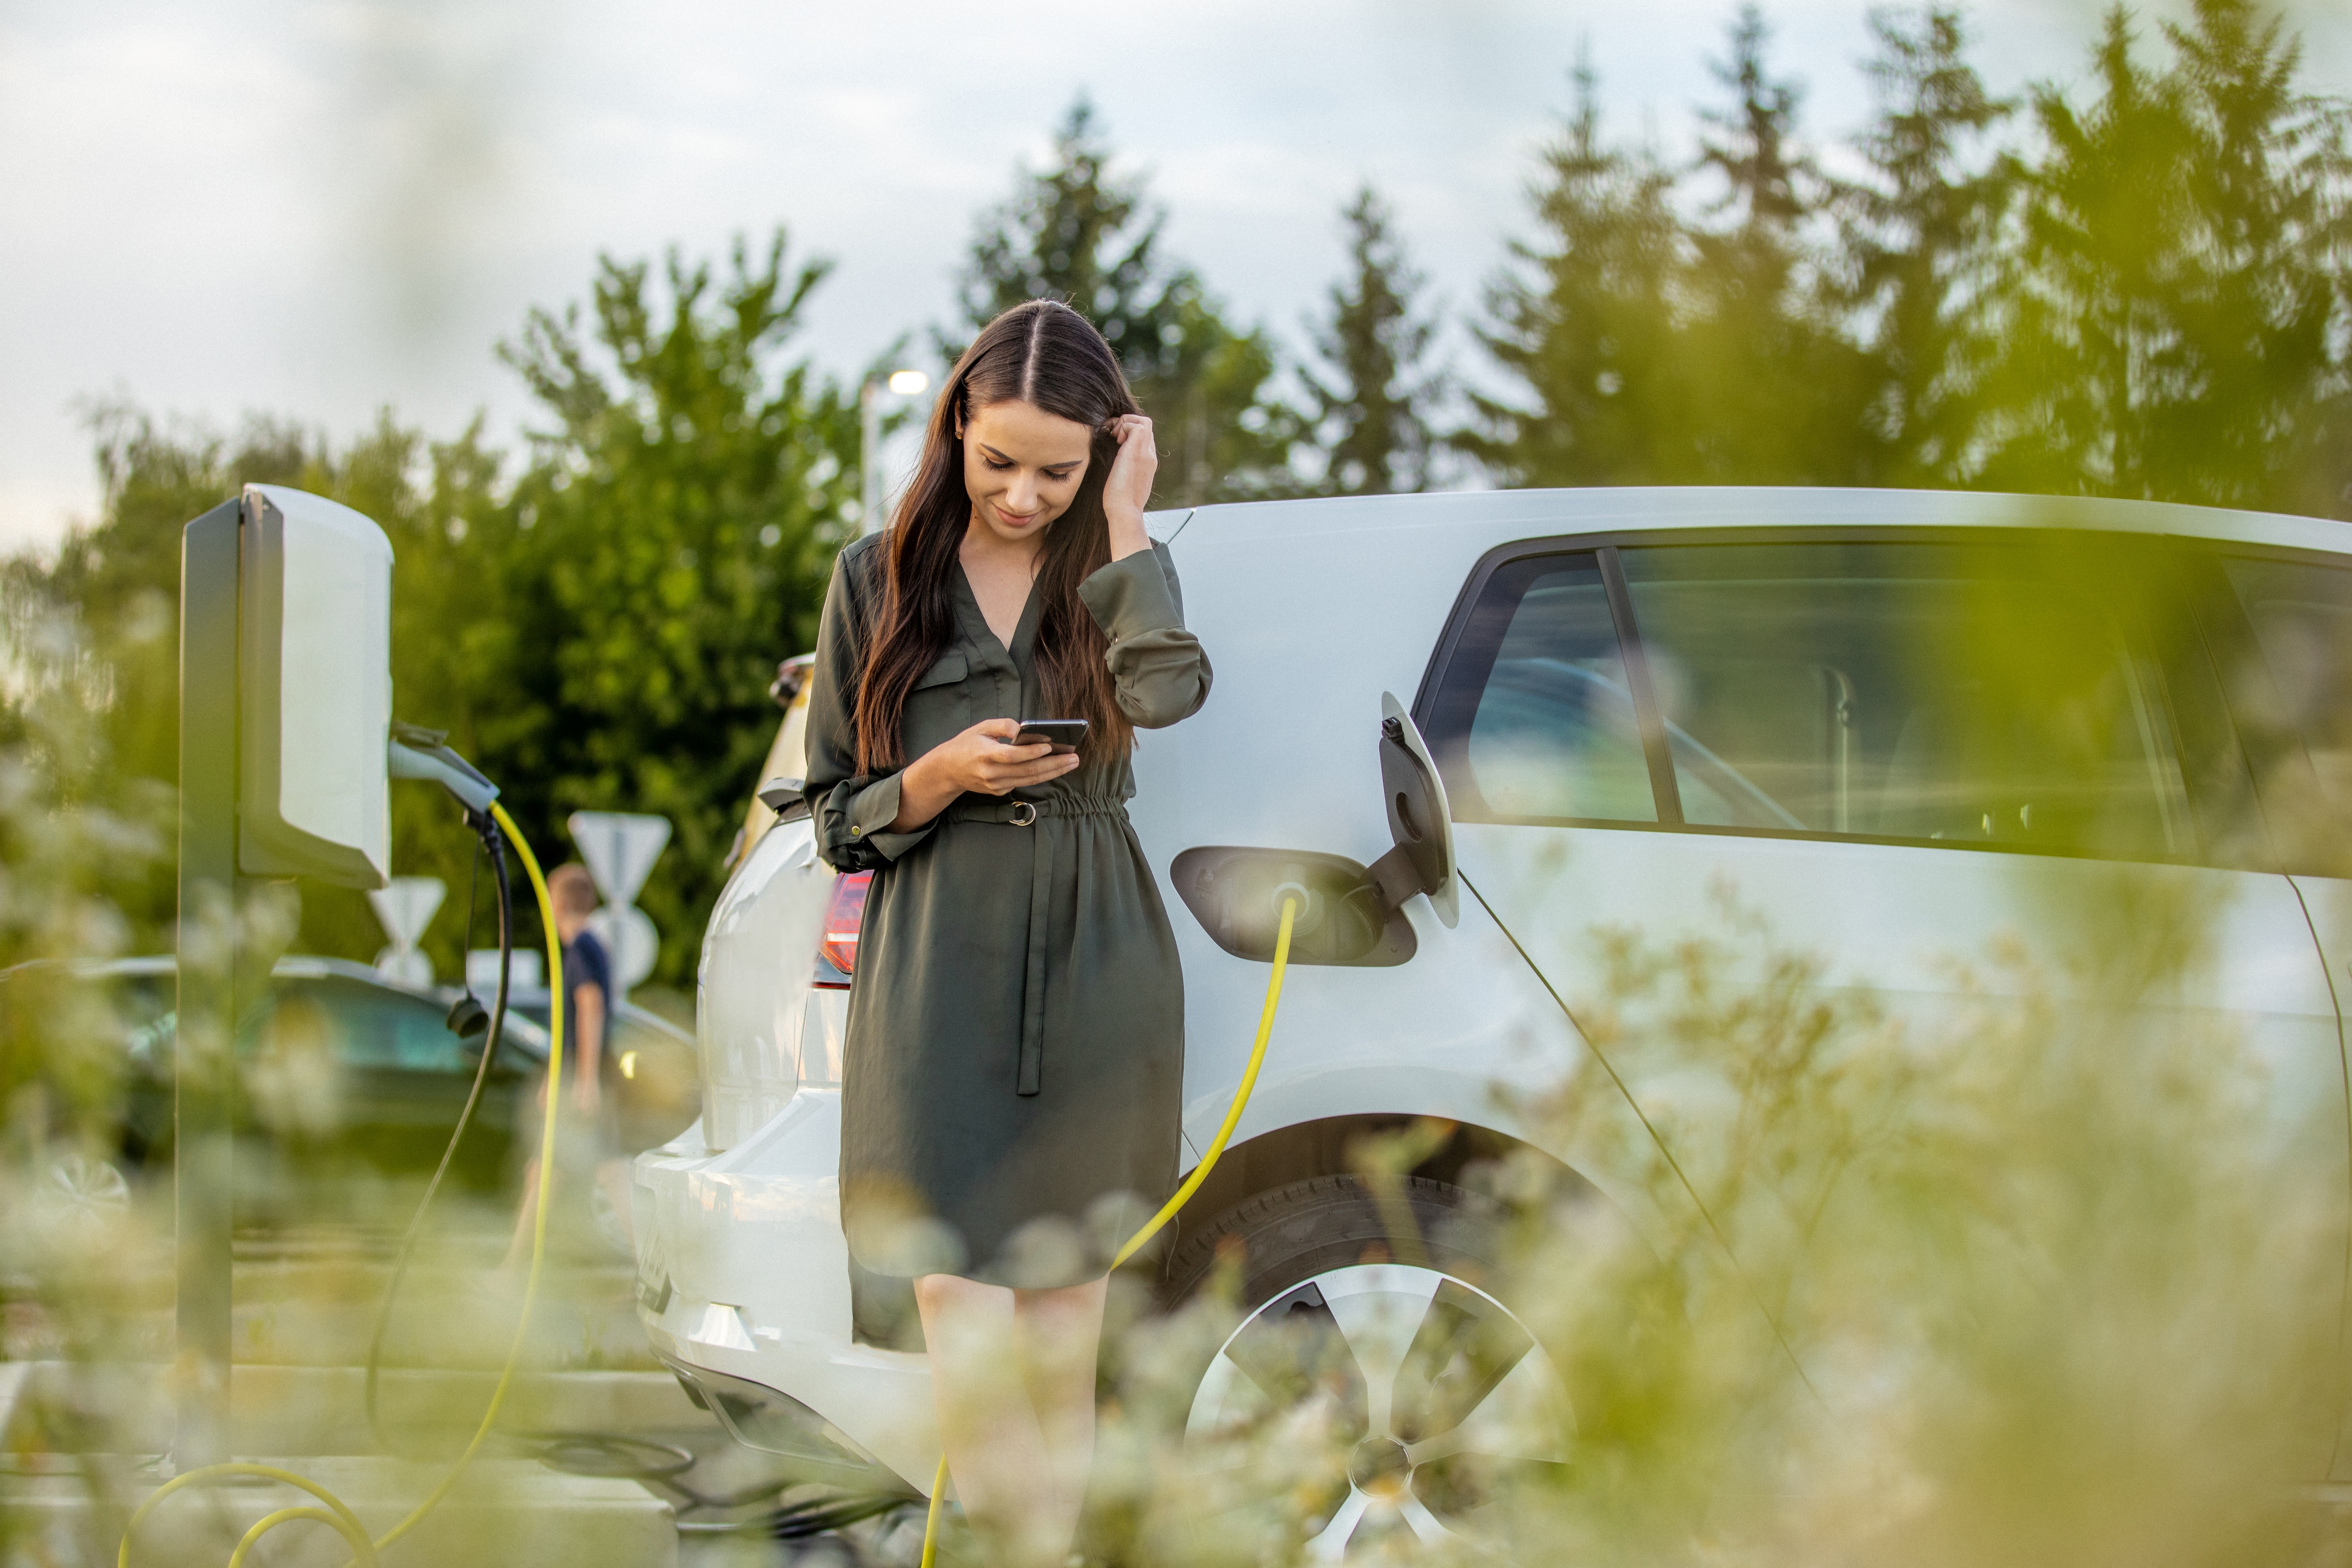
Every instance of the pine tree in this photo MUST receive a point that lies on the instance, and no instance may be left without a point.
(1771, 183)
(1586, 322)
(1076, 232)
(1777, 395)
(1921, 244)
(1371, 410)
(2177, 305)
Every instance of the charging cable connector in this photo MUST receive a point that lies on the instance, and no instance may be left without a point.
(421, 753)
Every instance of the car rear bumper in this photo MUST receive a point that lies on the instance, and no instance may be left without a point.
(743, 1291)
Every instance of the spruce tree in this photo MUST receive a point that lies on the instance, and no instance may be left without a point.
(1076, 232)
(1585, 321)
(2176, 309)
(1370, 409)
(1921, 244)
(1777, 395)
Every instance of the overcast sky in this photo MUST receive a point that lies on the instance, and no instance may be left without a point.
(318, 209)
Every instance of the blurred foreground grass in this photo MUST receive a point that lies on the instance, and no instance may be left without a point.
(2058, 1291)
(2063, 1284)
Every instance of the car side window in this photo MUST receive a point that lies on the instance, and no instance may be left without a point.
(2302, 619)
(386, 1030)
(1946, 693)
(1533, 720)
(1951, 693)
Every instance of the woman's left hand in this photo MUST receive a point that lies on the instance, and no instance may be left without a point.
(1128, 489)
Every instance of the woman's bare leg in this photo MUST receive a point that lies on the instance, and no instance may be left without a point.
(997, 1453)
(1060, 1331)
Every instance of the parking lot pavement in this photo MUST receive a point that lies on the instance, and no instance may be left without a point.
(306, 1305)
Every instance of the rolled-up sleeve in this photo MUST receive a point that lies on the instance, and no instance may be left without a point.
(1158, 668)
(851, 811)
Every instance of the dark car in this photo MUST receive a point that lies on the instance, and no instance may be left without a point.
(348, 1082)
(661, 1078)
(346, 1078)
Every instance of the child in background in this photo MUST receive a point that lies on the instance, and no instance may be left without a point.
(587, 1134)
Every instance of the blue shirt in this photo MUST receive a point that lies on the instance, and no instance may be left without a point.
(585, 963)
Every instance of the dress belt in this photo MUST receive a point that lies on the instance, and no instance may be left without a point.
(1031, 1078)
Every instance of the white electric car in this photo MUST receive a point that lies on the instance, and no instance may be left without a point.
(1903, 725)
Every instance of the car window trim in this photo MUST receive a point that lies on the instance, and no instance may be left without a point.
(2225, 622)
(1605, 544)
(1665, 789)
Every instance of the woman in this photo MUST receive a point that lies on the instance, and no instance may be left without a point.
(1016, 1029)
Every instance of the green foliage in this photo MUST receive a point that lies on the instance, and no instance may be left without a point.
(1372, 410)
(669, 543)
(2152, 299)
(1662, 351)
(78, 838)
(2178, 301)
(1587, 321)
(1873, 1280)
(1973, 1233)
(1757, 314)
(598, 634)
(1077, 232)
(2151, 295)
(1920, 243)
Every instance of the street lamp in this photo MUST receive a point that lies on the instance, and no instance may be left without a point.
(900, 383)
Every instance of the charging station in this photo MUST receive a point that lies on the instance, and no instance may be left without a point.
(287, 748)
(285, 735)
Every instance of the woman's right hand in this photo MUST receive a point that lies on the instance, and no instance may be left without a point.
(980, 760)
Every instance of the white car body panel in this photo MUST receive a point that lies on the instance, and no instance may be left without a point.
(1309, 611)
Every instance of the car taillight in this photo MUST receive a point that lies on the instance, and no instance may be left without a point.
(844, 913)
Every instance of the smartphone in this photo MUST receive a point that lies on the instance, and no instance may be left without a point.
(1062, 735)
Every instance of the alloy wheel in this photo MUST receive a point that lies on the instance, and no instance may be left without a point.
(1434, 1400)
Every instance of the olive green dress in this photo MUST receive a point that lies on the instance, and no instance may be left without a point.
(1015, 1051)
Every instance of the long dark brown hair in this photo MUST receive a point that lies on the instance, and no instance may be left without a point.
(1046, 354)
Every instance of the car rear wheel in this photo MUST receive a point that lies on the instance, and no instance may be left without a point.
(1372, 1321)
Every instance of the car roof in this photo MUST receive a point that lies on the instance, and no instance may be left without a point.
(292, 966)
(314, 966)
(529, 1034)
(1538, 512)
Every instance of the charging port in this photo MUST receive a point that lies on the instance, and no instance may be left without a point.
(1236, 894)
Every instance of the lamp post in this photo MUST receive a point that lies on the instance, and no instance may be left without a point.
(899, 383)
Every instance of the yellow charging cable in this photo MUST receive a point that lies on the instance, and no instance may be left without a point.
(346, 1523)
(1191, 1183)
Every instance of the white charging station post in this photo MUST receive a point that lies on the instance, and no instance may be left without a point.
(285, 725)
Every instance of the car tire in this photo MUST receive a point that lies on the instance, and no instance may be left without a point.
(1294, 1232)
(1385, 1306)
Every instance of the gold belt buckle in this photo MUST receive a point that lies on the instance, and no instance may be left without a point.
(1019, 820)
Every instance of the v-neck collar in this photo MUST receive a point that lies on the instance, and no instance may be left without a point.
(1025, 630)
